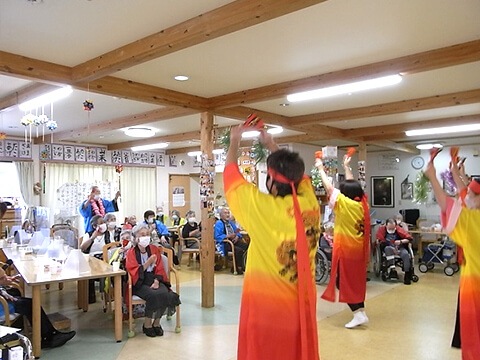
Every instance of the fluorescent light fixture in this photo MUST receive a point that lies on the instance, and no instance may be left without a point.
(346, 88)
(275, 130)
(45, 99)
(250, 134)
(218, 151)
(181, 78)
(428, 146)
(141, 132)
(150, 147)
(194, 153)
(443, 130)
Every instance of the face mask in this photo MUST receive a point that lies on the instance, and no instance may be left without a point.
(174, 217)
(160, 213)
(144, 241)
(102, 227)
(391, 231)
(111, 225)
(192, 220)
(150, 220)
(96, 197)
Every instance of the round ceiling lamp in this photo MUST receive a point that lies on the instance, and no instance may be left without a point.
(140, 132)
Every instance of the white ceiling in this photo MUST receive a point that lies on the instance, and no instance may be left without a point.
(330, 36)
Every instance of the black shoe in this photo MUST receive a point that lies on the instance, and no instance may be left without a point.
(175, 260)
(393, 274)
(158, 330)
(58, 339)
(150, 332)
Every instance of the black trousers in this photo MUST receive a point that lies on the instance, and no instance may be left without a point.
(240, 248)
(23, 306)
(456, 340)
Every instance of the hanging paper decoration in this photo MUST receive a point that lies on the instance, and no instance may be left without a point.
(119, 169)
(3, 135)
(88, 105)
(449, 183)
(51, 125)
(43, 120)
(422, 188)
(259, 151)
(27, 120)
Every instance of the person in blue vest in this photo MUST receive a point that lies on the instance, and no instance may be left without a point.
(95, 205)
(225, 228)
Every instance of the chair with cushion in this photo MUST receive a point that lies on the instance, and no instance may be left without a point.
(167, 258)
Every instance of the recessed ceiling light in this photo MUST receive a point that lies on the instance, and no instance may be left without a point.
(142, 132)
(428, 146)
(181, 78)
(250, 134)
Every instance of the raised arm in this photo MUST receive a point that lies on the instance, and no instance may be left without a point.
(440, 194)
(235, 138)
(346, 165)
(326, 182)
(461, 186)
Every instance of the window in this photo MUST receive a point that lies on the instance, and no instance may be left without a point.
(9, 184)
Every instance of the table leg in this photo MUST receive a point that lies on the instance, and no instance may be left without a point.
(82, 294)
(118, 307)
(36, 321)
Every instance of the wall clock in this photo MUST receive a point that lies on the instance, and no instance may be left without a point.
(418, 162)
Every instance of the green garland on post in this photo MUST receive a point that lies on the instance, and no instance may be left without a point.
(422, 188)
(259, 152)
(316, 178)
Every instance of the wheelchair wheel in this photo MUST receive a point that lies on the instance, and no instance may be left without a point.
(321, 267)
(415, 278)
(430, 266)
(455, 267)
(423, 268)
(384, 276)
(449, 271)
(377, 261)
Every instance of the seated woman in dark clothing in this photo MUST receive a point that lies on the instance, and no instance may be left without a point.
(150, 280)
(191, 230)
(51, 337)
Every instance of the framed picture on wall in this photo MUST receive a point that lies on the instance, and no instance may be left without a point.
(382, 191)
(407, 191)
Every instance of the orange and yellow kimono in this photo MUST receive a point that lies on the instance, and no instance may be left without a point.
(463, 226)
(351, 249)
(275, 323)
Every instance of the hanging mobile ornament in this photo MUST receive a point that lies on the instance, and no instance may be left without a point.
(27, 120)
(43, 119)
(119, 169)
(51, 125)
(88, 106)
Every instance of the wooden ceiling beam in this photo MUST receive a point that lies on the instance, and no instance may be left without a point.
(394, 146)
(224, 20)
(393, 131)
(410, 64)
(158, 139)
(25, 94)
(397, 107)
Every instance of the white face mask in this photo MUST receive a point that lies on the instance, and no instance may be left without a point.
(160, 213)
(144, 241)
(192, 220)
(174, 217)
(96, 197)
(102, 228)
(391, 231)
(150, 220)
(111, 225)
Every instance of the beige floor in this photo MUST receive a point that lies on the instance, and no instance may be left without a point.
(406, 322)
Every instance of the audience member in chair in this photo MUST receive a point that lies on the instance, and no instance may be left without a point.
(225, 228)
(112, 228)
(95, 205)
(150, 280)
(191, 229)
(394, 240)
(130, 222)
(159, 231)
(161, 215)
(326, 241)
(400, 222)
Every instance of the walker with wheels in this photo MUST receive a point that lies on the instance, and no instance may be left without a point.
(442, 252)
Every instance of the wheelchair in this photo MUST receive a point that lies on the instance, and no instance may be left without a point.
(322, 267)
(380, 266)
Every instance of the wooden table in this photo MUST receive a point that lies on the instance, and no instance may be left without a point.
(35, 276)
(420, 233)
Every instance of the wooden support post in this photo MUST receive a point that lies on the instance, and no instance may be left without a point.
(207, 245)
(36, 321)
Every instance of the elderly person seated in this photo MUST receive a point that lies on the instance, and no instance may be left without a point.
(130, 222)
(326, 240)
(394, 240)
(112, 228)
(400, 222)
(159, 232)
(191, 229)
(161, 216)
(150, 280)
(225, 228)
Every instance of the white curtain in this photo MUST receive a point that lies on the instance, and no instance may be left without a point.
(25, 179)
(139, 190)
(138, 187)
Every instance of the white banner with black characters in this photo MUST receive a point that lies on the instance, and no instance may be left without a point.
(126, 157)
(68, 153)
(15, 149)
